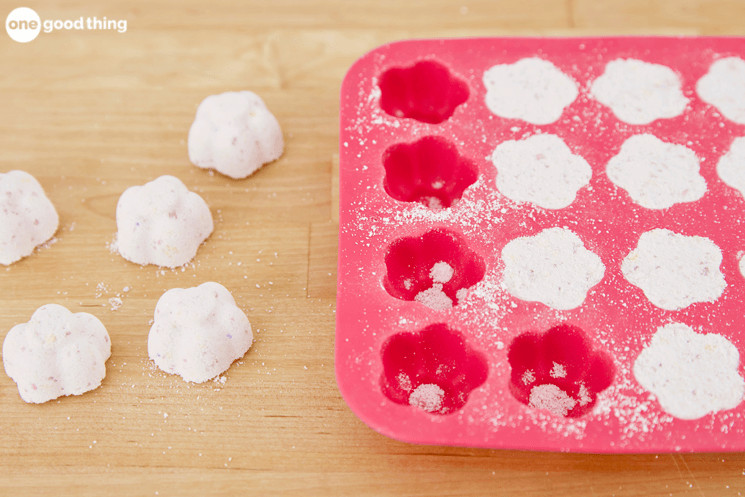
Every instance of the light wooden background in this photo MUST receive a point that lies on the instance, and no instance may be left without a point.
(90, 113)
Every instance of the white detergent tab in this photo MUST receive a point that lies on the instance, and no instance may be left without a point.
(691, 374)
(56, 353)
(731, 166)
(427, 397)
(27, 216)
(541, 170)
(639, 92)
(675, 270)
(742, 266)
(198, 332)
(551, 398)
(235, 134)
(656, 174)
(724, 88)
(161, 223)
(552, 267)
(531, 89)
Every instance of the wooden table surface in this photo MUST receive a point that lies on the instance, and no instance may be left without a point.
(91, 113)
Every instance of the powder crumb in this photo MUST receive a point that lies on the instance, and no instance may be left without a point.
(434, 298)
(558, 371)
(441, 272)
(115, 303)
(551, 398)
(528, 377)
(584, 395)
(404, 382)
(427, 397)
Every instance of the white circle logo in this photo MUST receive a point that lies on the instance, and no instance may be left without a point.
(23, 24)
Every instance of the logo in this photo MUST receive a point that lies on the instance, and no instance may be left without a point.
(23, 24)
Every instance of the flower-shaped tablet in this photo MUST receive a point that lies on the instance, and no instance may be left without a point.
(435, 269)
(558, 371)
(434, 370)
(656, 174)
(235, 134)
(540, 169)
(27, 217)
(198, 332)
(552, 267)
(724, 86)
(531, 89)
(675, 270)
(56, 353)
(731, 166)
(639, 92)
(691, 374)
(429, 171)
(425, 91)
(161, 223)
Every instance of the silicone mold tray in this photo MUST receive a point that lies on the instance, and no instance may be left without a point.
(418, 188)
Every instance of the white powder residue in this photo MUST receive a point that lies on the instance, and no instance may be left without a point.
(427, 397)
(639, 92)
(691, 374)
(115, 303)
(731, 167)
(724, 86)
(528, 377)
(441, 272)
(675, 270)
(551, 398)
(531, 89)
(584, 395)
(540, 169)
(558, 371)
(656, 174)
(552, 267)
(404, 381)
(434, 298)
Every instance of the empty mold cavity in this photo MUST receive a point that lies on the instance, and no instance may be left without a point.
(433, 370)
(435, 269)
(558, 371)
(425, 91)
(429, 171)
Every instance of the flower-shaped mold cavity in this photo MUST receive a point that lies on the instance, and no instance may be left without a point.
(429, 171)
(198, 332)
(425, 91)
(27, 217)
(435, 268)
(161, 223)
(558, 371)
(434, 370)
(56, 353)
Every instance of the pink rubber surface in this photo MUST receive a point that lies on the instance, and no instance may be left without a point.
(380, 335)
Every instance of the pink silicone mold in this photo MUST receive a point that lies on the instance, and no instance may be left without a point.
(418, 193)
(429, 171)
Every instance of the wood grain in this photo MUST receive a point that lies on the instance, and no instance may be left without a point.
(91, 113)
